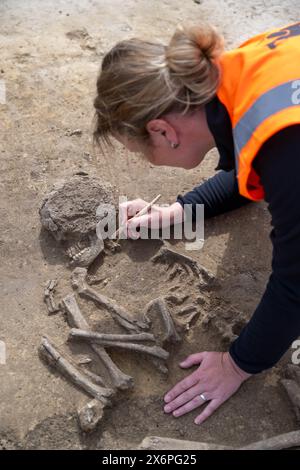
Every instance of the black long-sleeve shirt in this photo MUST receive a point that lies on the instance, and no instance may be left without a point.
(275, 323)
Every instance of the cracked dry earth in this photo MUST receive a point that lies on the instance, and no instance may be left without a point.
(50, 57)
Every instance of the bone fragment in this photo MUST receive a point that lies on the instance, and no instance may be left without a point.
(48, 297)
(160, 307)
(90, 415)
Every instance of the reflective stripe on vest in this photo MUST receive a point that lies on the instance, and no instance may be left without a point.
(281, 97)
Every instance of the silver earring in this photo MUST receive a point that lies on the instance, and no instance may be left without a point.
(174, 146)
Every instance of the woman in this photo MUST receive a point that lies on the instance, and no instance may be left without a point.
(173, 104)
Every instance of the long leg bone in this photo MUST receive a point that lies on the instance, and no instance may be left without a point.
(94, 377)
(166, 443)
(75, 319)
(91, 336)
(48, 297)
(166, 255)
(282, 441)
(119, 314)
(50, 353)
(155, 351)
(160, 307)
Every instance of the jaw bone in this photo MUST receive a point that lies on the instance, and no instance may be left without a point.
(84, 256)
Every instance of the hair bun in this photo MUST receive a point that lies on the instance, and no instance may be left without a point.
(191, 55)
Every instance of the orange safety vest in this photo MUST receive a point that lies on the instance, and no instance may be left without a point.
(260, 88)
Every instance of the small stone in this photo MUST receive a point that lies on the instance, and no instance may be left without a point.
(70, 132)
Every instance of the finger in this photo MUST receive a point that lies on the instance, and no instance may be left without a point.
(184, 398)
(192, 360)
(181, 387)
(135, 206)
(133, 233)
(140, 221)
(191, 405)
(130, 208)
(211, 407)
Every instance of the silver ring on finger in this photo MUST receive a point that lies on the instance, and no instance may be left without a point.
(203, 397)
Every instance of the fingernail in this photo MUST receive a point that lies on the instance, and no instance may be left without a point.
(167, 409)
(167, 398)
(176, 413)
(196, 422)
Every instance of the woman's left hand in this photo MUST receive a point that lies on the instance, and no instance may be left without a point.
(216, 379)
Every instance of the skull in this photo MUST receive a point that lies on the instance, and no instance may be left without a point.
(72, 211)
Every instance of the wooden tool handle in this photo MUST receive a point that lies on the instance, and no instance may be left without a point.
(138, 214)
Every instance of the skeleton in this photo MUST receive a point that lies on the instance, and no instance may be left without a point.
(71, 213)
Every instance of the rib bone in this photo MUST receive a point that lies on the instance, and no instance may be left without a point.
(118, 313)
(75, 319)
(166, 255)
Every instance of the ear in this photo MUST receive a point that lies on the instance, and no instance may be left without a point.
(157, 125)
(159, 129)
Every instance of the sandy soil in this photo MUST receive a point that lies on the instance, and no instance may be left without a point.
(50, 55)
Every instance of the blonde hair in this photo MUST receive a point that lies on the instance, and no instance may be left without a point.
(141, 80)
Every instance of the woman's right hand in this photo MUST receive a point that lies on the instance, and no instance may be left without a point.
(157, 216)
